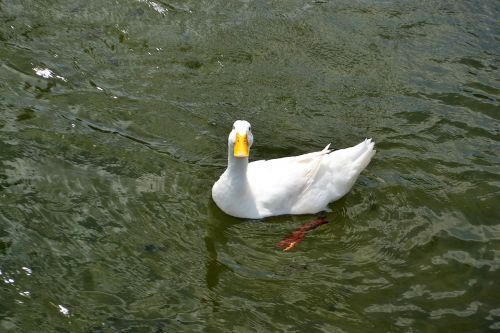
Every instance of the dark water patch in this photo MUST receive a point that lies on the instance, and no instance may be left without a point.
(114, 127)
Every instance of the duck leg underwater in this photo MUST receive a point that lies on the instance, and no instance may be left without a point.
(298, 235)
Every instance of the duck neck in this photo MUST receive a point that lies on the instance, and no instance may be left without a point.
(237, 167)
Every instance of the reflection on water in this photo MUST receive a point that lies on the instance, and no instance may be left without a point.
(114, 127)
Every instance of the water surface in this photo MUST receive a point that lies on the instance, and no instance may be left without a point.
(114, 124)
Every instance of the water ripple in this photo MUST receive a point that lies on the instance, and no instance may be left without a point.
(114, 128)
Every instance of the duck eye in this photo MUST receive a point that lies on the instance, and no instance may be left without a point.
(233, 128)
(250, 129)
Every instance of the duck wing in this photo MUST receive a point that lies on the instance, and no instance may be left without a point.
(305, 184)
(278, 184)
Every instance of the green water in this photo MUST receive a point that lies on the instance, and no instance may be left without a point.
(113, 128)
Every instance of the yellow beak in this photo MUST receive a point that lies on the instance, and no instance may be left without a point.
(241, 146)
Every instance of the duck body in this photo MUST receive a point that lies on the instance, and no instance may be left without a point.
(303, 184)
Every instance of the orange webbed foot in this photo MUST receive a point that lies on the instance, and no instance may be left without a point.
(288, 243)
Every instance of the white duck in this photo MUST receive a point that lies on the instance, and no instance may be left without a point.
(302, 184)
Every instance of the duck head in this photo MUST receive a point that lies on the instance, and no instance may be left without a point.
(240, 139)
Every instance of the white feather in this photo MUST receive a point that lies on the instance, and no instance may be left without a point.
(303, 184)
